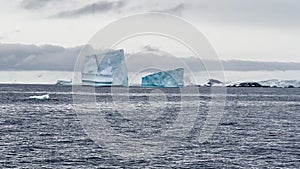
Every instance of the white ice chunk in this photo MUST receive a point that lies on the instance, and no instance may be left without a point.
(42, 97)
(64, 82)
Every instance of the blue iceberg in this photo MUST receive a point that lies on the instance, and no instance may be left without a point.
(106, 69)
(170, 78)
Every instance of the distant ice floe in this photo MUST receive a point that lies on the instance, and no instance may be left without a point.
(64, 82)
(280, 83)
(214, 82)
(267, 83)
(41, 97)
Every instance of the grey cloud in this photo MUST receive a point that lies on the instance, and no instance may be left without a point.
(150, 48)
(275, 13)
(141, 60)
(238, 65)
(50, 57)
(255, 12)
(16, 31)
(176, 10)
(34, 4)
(7, 34)
(32, 57)
(98, 7)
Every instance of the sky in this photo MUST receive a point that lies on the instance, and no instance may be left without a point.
(43, 31)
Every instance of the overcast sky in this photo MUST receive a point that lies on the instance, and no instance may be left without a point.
(255, 30)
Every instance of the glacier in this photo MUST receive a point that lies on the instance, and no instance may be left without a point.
(170, 78)
(105, 69)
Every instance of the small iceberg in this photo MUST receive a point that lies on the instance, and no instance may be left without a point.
(64, 82)
(42, 97)
(214, 82)
(170, 78)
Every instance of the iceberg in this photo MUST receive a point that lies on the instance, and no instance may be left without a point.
(64, 83)
(106, 69)
(42, 97)
(214, 82)
(170, 78)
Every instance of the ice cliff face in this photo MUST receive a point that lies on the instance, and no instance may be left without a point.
(170, 78)
(106, 69)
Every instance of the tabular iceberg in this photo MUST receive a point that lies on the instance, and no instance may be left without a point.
(170, 78)
(107, 69)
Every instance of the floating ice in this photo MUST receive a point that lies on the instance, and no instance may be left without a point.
(170, 78)
(42, 97)
(267, 83)
(214, 82)
(64, 82)
(106, 69)
(280, 83)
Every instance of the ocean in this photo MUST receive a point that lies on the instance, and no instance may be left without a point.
(260, 128)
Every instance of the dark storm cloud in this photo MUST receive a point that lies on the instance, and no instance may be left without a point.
(99, 7)
(139, 61)
(32, 57)
(34, 4)
(49, 57)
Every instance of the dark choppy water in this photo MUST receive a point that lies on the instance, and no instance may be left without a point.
(260, 128)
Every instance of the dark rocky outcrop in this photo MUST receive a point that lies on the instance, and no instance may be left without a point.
(250, 84)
